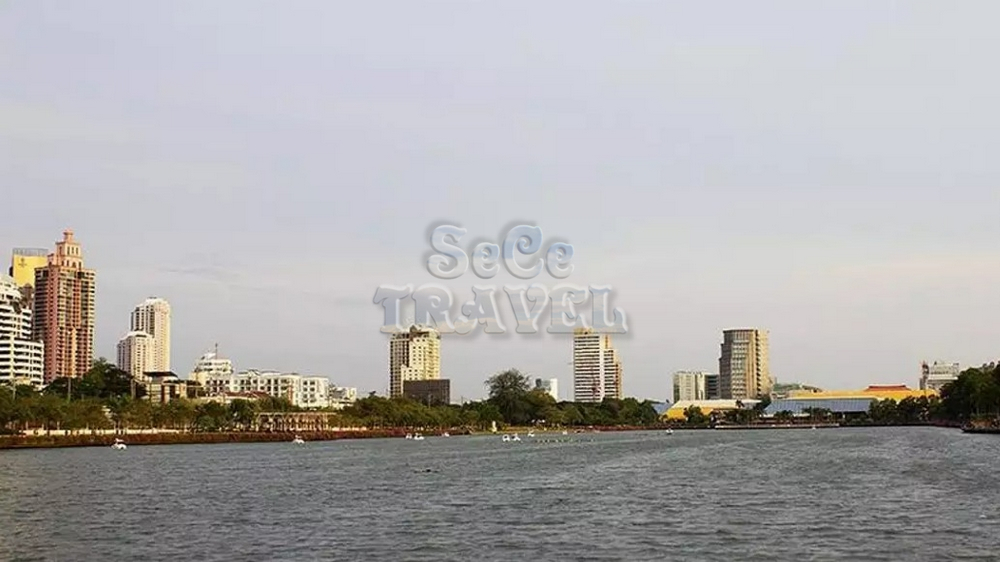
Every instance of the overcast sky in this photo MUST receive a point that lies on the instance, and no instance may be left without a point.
(827, 171)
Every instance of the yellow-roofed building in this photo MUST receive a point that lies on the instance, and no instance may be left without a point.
(895, 392)
(676, 411)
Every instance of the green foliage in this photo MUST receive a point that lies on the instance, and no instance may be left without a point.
(976, 393)
(103, 399)
(695, 416)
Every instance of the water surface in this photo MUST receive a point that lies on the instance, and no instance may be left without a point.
(840, 494)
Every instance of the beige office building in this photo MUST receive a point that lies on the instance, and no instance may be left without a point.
(597, 368)
(414, 355)
(153, 317)
(744, 364)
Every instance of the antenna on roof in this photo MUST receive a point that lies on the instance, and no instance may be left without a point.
(217, 350)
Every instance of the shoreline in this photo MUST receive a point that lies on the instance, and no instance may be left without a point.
(8, 442)
(185, 438)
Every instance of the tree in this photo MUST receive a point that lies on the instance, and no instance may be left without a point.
(695, 416)
(784, 416)
(508, 392)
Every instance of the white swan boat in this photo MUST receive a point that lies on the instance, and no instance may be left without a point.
(418, 437)
(119, 445)
(298, 440)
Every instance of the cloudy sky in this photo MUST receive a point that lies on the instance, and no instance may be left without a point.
(827, 171)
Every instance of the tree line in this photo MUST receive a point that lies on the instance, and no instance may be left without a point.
(108, 398)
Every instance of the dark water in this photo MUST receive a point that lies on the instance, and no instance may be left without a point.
(843, 494)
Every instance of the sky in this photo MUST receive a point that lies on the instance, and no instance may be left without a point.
(826, 171)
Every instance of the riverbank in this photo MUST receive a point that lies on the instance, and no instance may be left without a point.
(186, 438)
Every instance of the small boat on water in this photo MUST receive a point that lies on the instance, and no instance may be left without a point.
(531, 434)
(515, 438)
(409, 436)
(505, 438)
(119, 445)
(670, 431)
(418, 437)
(298, 440)
(445, 434)
(565, 432)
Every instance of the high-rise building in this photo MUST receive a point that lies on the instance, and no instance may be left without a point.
(136, 352)
(935, 376)
(597, 369)
(549, 386)
(414, 355)
(153, 317)
(690, 385)
(24, 262)
(744, 365)
(64, 311)
(209, 365)
(22, 360)
(712, 386)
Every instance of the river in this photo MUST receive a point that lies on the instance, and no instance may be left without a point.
(827, 494)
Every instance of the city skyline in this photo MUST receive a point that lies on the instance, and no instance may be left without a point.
(762, 169)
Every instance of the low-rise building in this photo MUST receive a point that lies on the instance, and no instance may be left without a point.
(845, 403)
(164, 387)
(342, 396)
(210, 364)
(936, 375)
(707, 407)
(302, 391)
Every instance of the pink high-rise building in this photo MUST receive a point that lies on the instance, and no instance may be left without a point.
(64, 311)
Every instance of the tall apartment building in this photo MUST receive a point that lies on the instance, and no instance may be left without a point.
(935, 376)
(744, 365)
(414, 355)
(136, 355)
(597, 369)
(22, 360)
(153, 317)
(690, 385)
(549, 386)
(300, 390)
(64, 311)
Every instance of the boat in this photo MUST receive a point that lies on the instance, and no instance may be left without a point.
(445, 434)
(515, 438)
(505, 438)
(119, 445)
(409, 436)
(531, 434)
(565, 432)
(298, 440)
(670, 431)
(418, 437)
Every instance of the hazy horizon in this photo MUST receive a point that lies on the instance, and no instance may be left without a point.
(822, 171)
